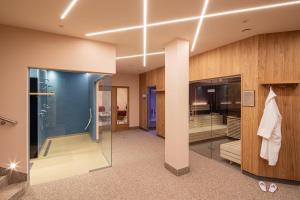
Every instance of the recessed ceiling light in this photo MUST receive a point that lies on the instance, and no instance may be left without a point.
(140, 55)
(199, 24)
(68, 9)
(193, 18)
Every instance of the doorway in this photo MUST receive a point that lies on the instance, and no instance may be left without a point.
(215, 115)
(152, 108)
(63, 120)
(120, 108)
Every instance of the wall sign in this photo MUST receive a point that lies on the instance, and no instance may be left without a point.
(249, 98)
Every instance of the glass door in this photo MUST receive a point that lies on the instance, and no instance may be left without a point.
(215, 110)
(105, 117)
(200, 126)
(228, 105)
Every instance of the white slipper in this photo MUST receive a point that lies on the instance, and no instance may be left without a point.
(273, 187)
(262, 186)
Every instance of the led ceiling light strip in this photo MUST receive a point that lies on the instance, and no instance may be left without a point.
(187, 19)
(140, 55)
(115, 30)
(199, 24)
(68, 9)
(253, 9)
(145, 31)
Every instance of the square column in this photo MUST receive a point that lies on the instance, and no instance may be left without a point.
(176, 107)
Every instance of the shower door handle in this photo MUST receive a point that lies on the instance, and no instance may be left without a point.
(90, 119)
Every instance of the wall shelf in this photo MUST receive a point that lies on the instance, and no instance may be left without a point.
(160, 90)
(42, 93)
(280, 83)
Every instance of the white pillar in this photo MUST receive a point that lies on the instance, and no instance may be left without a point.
(176, 107)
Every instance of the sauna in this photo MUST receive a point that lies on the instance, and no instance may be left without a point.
(215, 118)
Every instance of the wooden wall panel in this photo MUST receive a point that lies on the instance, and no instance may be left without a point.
(160, 113)
(143, 102)
(272, 58)
(279, 57)
(279, 62)
(288, 165)
(239, 58)
(153, 78)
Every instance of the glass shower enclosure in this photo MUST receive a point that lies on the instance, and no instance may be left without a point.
(68, 131)
(214, 122)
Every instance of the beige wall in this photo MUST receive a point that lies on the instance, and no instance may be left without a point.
(176, 104)
(23, 48)
(132, 81)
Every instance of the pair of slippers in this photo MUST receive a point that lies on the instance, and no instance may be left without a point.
(273, 187)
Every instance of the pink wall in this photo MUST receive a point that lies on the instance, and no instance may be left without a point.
(176, 104)
(131, 80)
(23, 48)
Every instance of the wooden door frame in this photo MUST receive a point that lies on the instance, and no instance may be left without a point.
(115, 126)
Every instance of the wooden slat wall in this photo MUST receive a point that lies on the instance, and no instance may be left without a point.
(239, 58)
(153, 78)
(279, 61)
(270, 58)
(160, 113)
(143, 102)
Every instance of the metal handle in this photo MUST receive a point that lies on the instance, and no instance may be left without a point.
(4, 120)
(90, 119)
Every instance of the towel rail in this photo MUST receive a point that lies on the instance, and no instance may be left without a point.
(4, 120)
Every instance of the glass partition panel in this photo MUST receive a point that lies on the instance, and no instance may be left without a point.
(104, 117)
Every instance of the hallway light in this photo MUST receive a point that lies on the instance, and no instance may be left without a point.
(68, 9)
(193, 18)
(199, 24)
(145, 32)
(140, 55)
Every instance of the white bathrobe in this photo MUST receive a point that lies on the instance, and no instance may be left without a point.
(270, 130)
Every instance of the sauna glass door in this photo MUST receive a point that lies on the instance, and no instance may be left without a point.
(201, 117)
(214, 115)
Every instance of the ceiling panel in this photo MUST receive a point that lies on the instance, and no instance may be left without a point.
(226, 5)
(219, 31)
(171, 9)
(158, 37)
(98, 15)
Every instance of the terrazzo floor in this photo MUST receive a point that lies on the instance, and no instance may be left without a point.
(138, 173)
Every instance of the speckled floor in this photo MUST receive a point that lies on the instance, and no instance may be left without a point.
(138, 173)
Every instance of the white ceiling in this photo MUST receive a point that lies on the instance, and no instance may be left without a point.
(98, 15)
